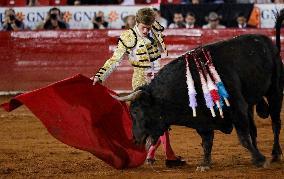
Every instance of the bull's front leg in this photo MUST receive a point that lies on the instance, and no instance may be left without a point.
(207, 143)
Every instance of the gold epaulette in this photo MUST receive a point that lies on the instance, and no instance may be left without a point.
(128, 38)
(157, 26)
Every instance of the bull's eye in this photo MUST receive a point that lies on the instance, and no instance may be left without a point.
(134, 113)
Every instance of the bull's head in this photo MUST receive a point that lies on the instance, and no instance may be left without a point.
(147, 122)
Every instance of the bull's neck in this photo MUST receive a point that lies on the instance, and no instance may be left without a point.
(171, 113)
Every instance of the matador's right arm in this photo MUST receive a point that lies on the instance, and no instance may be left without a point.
(126, 42)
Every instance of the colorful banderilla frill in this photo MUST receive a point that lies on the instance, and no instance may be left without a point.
(191, 89)
(221, 88)
(206, 92)
(212, 86)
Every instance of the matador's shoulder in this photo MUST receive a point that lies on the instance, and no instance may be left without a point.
(128, 38)
(158, 27)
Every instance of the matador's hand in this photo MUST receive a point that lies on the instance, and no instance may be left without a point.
(95, 79)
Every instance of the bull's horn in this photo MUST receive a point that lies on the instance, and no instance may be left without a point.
(129, 97)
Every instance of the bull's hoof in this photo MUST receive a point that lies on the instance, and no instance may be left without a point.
(262, 163)
(203, 168)
(150, 161)
(266, 164)
(276, 158)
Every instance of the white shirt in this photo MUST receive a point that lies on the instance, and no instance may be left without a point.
(173, 26)
(189, 26)
(242, 26)
(163, 22)
(207, 26)
(128, 2)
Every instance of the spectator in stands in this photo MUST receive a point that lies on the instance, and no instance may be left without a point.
(213, 1)
(159, 18)
(170, 1)
(261, 1)
(245, 1)
(213, 21)
(77, 3)
(53, 20)
(129, 22)
(241, 22)
(190, 20)
(33, 3)
(99, 22)
(11, 22)
(178, 21)
(128, 2)
(278, 1)
(195, 1)
(191, 2)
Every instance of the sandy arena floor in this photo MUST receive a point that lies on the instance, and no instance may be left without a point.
(27, 150)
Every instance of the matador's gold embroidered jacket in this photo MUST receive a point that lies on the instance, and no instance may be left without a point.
(143, 53)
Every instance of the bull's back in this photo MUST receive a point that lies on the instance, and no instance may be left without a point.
(246, 62)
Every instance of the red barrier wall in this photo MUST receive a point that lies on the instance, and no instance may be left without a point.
(32, 59)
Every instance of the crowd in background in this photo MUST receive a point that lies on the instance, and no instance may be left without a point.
(55, 20)
(135, 2)
(130, 2)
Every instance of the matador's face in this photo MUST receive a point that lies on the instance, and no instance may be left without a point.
(144, 29)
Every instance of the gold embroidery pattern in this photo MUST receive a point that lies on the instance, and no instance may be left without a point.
(128, 38)
(138, 78)
(129, 41)
(112, 63)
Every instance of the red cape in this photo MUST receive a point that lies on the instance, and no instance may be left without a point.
(86, 117)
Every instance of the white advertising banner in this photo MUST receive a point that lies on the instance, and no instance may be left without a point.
(267, 14)
(78, 17)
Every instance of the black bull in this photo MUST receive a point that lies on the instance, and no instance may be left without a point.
(251, 69)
